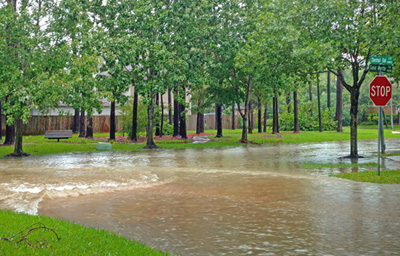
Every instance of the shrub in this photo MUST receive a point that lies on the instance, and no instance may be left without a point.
(306, 121)
(127, 113)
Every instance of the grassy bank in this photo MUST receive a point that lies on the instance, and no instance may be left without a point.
(386, 177)
(37, 145)
(74, 239)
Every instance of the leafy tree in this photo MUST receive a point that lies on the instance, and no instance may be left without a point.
(232, 75)
(114, 49)
(29, 72)
(75, 29)
(151, 61)
(346, 34)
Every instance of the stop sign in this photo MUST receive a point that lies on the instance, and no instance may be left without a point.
(380, 91)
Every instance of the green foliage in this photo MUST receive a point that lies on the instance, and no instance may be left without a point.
(127, 113)
(168, 129)
(306, 121)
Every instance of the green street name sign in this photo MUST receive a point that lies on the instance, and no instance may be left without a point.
(380, 68)
(382, 60)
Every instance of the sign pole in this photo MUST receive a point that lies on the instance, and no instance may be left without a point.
(380, 93)
(382, 131)
(379, 142)
(391, 113)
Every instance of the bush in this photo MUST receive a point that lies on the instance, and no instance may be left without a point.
(127, 113)
(168, 129)
(306, 121)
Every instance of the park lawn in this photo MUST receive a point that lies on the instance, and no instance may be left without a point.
(38, 145)
(74, 239)
(386, 177)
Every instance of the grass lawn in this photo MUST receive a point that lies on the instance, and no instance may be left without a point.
(386, 177)
(38, 145)
(74, 239)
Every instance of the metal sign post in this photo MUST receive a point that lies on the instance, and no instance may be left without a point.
(380, 93)
(391, 113)
(379, 141)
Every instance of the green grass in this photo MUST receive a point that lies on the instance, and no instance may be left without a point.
(386, 177)
(75, 239)
(37, 145)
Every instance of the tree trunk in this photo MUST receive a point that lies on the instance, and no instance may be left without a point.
(89, 128)
(218, 119)
(233, 116)
(273, 116)
(354, 95)
(339, 103)
(182, 117)
(310, 93)
(319, 107)
(1, 123)
(82, 124)
(328, 90)
(250, 117)
(162, 115)
(10, 134)
(169, 107)
(385, 122)
(18, 139)
(75, 128)
(296, 113)
(288, 102)
(150, 116)
(200, 119)
(176, 112)
(259, 116)
(246, 109)
(244, 129)
(157, 123)
(134, 116)
(276, 116)
(200, 123)
(265, 117)
(112, 121)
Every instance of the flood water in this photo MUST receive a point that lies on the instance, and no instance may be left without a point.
(255, 200)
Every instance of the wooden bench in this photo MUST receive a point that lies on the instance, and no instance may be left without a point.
(58, 134)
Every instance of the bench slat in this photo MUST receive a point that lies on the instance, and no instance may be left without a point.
(58, 134)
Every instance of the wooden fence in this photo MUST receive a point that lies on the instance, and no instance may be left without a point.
(101, 124)
(209, 122)
(39, 124)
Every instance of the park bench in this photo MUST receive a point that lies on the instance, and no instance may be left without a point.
(58, 134)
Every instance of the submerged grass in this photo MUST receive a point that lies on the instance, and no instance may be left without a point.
(386, 177)
(74, 239)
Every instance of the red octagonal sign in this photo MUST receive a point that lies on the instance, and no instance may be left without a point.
(380, 91)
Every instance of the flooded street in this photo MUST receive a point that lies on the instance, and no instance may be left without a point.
(255, 200)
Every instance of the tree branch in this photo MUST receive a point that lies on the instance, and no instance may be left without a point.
(24, 234)
(345, 85)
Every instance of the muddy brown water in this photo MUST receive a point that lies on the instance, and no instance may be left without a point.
(255, 200)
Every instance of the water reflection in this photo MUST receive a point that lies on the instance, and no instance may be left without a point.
(232, 201)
